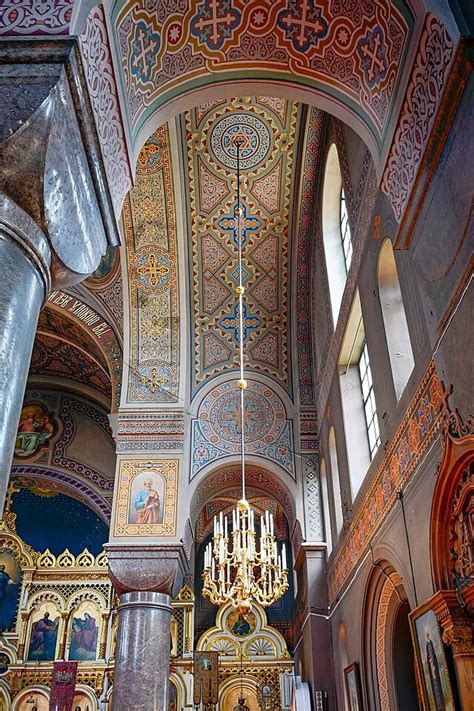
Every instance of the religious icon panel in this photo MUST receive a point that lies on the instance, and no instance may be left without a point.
(10, 584)
(431, 660)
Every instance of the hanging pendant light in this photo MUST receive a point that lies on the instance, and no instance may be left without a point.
(237, 569)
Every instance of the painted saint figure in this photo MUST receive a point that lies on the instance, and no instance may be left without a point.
(84, 638)
(9, 591)
(4, 581)
(147, 504)
(435, 676)
(34, 430)
(241, 626)
(43, 639)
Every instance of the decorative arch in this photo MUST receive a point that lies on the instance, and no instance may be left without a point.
(385, 603)
(40, 694)
(394, 317)
(451, 530)
(199, 53)
(66, 483)
(85, 698)
(229, 477)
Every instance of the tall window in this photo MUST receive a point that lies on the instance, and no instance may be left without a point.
(345, 231)
(394, 319)
(361, 425)
(336, 484)
(368, 398)
(326, 510)
(336, 231)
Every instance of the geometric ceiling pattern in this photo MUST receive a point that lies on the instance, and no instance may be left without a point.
(268, 130)
(150, 236)
(349, 50)
(65, 350)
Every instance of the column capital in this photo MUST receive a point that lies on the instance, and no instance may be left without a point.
(457, 626)
(147, 568)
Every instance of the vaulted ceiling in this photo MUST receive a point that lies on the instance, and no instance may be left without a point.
(181, 240)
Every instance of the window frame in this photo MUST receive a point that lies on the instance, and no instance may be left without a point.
(368, 401)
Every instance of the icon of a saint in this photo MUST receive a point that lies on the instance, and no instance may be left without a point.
(147, 504)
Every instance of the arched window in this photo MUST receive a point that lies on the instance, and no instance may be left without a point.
(326, 510)
(336, 485)
(394, 318)
(336, 230)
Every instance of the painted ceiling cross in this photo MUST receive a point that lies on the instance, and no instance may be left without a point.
(154, 381)
(231, 323)
(145, 47)
(372, 54)
(153, 270)
(248, 223)
(303, 23)
(214, 22)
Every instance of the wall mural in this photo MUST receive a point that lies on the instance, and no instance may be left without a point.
(150, 235)
(35, 428)
(146, 498)
(269, 129)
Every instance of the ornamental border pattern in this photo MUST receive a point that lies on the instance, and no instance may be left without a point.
(422, 98)
(309, 214)
(153, 277)
(100, 76)
(417, 430)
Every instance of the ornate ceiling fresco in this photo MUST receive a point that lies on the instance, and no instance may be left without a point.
(269, 129)
(348, 50)
(63, 349)
(150, 234)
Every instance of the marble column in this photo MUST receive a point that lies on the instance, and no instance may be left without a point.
(145, 577)
(142, 652)
(24, 283)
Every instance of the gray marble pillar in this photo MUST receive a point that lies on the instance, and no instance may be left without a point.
(24, 284)
(142, 652)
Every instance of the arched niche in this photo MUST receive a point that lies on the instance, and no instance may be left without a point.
(394, 317)
(31, 697)
(84, 699)
(45, 628)
(389, 662)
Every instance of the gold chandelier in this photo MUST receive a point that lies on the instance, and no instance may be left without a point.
(236, 569)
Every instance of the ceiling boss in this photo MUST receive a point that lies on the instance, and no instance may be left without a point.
(236, 568)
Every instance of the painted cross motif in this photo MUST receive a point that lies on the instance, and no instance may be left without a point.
(214, 22)
(372, 56)
(154, 381)
(145, 47)
(152, 271)
(231, 323)
(303, 23)
(248, 223)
